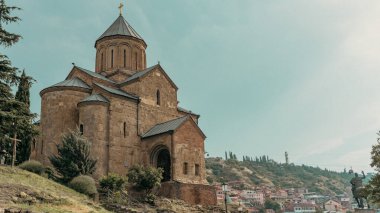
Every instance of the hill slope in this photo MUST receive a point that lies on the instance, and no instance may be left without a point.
(271, 173)
(24, 190)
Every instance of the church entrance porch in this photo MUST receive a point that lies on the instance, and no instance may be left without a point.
(161, 159)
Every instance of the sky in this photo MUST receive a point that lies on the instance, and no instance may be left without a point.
(266, 76)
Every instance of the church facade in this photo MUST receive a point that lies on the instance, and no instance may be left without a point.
(130, 114)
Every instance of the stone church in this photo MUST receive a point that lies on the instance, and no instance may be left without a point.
(130, 114)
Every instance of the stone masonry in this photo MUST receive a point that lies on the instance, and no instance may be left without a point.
(131, 116)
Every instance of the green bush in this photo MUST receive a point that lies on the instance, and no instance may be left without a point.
(33, 166)
(83, 184)
(113, 183)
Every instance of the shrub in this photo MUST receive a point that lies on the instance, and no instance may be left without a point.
(33, 166)
(113, 183)
(83, 184)
(145, 179)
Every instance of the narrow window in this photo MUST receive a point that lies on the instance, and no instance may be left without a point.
(42, 147)
(136, 60)
(111, 58)
(197, 169)
(125, 58)
(81, 129)
(125, 129)
(185, 168)
(158, 97)
(101, 63)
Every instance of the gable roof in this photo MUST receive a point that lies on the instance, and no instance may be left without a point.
(120, 27)
(165, 127)
(74, 82)
(117, 92)
(140, 74)
(95, 98)
(91, 73)
(168, 126)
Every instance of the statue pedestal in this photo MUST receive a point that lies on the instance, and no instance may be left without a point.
(365, 211)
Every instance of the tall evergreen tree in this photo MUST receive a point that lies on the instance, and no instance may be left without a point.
(15, 116)
(73, 157)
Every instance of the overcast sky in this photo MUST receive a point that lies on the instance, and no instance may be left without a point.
(266, 76)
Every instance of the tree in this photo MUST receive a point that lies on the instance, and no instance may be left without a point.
(6, 38)
(15, 116)
(26, 130)
(270, 204)
(286, 158)
(73, 157)
(145, 179)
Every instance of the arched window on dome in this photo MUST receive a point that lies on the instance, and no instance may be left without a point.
(136, 60)
(111, 58)
(158, 97)
(125, 129)
(101, 62)
(81, 129)
(125, 58)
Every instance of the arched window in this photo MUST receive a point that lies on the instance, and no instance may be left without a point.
(125, 58)
(185, 165)
(197, 169)
(101, 62)
(111, 58)
(125, 129)
(81, 129)
(158, 97)
(136, 60)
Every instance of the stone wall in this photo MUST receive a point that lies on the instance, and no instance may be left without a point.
(189, 149)
(59, 114)
(94, 116)
(134, 49)
(191, 193)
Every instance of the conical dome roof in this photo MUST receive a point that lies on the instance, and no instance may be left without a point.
(120, 27)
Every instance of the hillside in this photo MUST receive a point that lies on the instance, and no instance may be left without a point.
(24, 190)
(271, 173)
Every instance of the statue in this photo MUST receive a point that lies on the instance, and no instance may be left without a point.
(358, 189)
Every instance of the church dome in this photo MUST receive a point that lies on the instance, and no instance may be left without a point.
(120, 27)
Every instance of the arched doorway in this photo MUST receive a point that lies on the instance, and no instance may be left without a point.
(161, 159)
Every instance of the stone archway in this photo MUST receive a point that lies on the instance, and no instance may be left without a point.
(161, 159)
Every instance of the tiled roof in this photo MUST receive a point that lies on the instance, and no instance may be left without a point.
(73, 82)
(139, 74)
(94, 74)
(120, 27)
(117, 92)
(95, 98)
(165, 127)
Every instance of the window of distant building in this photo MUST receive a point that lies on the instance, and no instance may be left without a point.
(136, 60)
(197, 169)
(81, 129)
(185, 168)
(101, 62)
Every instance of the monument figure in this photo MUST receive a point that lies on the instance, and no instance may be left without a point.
(358, 189)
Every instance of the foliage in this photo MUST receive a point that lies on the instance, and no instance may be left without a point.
(373, 187)
(6, 38)
(270, 172)
(112, 183)
(73, 157)
(15, 116)
(270, 204)
(33, 166)
(83, 184)
(144, 178)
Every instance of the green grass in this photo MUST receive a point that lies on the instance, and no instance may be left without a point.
(49, 195)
